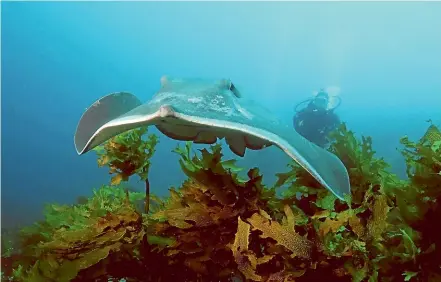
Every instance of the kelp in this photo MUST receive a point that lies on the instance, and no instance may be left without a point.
(128, 154)
(75, 237)
(203, 213)
(420, 202)
(221, 226)
(366, 236)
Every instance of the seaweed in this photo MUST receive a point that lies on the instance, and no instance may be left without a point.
(128, 154)
(76, 237)
(202, 214)
(221, 226)
(368, 235)
(420, 202)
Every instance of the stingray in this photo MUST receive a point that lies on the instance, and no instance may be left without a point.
(203, 111)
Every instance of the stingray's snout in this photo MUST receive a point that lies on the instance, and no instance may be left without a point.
(166, 111)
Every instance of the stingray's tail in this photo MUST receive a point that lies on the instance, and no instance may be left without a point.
(101, 112)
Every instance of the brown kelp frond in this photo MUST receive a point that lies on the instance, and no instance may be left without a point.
(419, 203)
(219, 180)
(285, 235)
(202, 214)
(423, 161)
(358, 157)
(242, 255)
(264, 249)
(74, 238)
(127, 154)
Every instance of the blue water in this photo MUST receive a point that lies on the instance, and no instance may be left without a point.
(58, 58)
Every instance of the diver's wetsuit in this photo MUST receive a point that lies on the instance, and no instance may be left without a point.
(315, 124)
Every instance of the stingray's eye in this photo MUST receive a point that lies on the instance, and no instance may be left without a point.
(233, 89)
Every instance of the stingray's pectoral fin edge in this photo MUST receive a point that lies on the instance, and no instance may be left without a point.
(101, 112)
(114, 128)
(324, 166)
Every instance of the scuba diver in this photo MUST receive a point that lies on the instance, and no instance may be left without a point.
(317, 119)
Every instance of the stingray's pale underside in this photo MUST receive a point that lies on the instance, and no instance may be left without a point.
(202, 111)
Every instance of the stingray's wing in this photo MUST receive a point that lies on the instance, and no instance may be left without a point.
(321, 164)
(102, 120)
